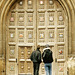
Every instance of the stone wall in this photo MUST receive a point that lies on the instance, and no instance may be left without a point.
(71, 65)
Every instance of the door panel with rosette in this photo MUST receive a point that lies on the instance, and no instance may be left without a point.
(31, 23)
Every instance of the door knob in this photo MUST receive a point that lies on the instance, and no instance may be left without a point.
(16, 60)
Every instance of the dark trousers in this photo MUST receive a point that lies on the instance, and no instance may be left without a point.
(36, 68)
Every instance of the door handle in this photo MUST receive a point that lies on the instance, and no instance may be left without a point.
(16, 60)
(55, 59)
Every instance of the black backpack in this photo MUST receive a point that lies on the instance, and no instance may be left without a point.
(47, 56)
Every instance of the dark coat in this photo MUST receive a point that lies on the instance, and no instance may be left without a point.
(47, 56)
(36, 56)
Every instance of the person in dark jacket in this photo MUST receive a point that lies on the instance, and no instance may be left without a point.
(36, 59)
(47, 59)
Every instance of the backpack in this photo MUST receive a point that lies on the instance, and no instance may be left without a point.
(47, 56)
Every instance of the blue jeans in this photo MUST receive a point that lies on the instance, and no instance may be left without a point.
(48, 68)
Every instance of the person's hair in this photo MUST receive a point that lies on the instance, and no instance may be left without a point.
(38, 46)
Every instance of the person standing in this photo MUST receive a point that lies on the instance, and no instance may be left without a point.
(36, 59)
(47, 59)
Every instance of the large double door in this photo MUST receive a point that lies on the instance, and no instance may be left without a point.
(31, 23)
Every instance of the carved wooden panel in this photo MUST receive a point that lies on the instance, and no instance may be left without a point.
(61, 69)
(61, 51)
(12, 68)
(25, 65)
(41, 18)
(12, 35)
(20, 35)
(30, 4)
(28, 52)
(28, 62)
(60, 18)
(42, 69)
(21, 19)
(21, 53)
(12, 19)
(60, 35)
(41, 35)
(50, 4)
(29, 35)
(29, 67)
(51, 18)
(29, 19)
(51, 35)
(21, 59)
(41, 4)
(12, 51)
(22, 67)
(21, 4)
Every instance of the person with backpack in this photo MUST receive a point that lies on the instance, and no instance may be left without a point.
(47, 59)
(36, 59)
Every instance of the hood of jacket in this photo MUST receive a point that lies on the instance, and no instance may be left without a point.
(45, 49)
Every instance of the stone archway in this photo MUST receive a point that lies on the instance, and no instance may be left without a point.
(9, 3)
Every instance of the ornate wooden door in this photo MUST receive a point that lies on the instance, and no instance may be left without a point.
(31, 23)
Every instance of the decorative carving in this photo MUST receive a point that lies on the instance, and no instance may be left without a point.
(11, 35)
(12, 52)
(60, 18)
(12, 19)
(50, 2)
(41, 19)
(60, 35)
(22, 67)
(29, 2)
(30, 19)
(30, 36)
(21, 19)
(61, 51)
(29, 67)
(22, 52)
(41, 35)
(21, 35)
(11, 67)
(61, 69)
(51, 18)
(29, 50)
(41, 2)
(51, 35)
(21, 3)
